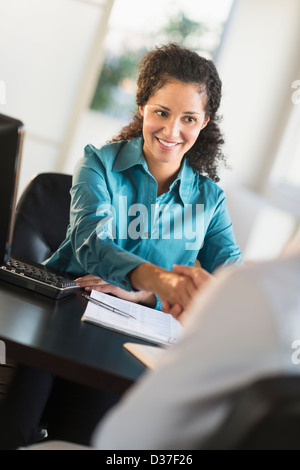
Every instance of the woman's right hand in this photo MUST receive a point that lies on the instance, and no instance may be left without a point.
(200, 278)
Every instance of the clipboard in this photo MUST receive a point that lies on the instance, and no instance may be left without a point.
(141, 322)
(148, 355)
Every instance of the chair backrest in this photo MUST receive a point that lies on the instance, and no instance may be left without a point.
(265, 416)
(42, 216)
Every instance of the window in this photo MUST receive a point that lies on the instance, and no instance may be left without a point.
(136, 27)
(284, 185)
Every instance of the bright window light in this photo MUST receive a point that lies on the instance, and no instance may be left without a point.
(135, 27)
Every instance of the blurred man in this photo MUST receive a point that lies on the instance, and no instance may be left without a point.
(241, 328)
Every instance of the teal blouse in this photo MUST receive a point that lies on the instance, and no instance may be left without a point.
(117, 221)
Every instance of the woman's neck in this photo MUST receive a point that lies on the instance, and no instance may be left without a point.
(164, 176)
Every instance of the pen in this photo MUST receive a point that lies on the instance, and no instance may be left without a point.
(108, 307)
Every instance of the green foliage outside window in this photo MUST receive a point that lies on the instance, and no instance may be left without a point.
(115, 94)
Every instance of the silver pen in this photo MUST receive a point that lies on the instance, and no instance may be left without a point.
(108, 307)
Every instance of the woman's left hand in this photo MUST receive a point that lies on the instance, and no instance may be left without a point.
(90, 282)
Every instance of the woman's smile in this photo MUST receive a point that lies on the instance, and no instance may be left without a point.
(173, 119)
(165, 145)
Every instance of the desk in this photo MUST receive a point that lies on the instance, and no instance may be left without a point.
(49, 334)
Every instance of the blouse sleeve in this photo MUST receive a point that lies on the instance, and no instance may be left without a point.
(219, 247)
(91, 226)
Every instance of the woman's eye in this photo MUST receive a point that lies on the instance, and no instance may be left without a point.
(190, 119)
(161, 113)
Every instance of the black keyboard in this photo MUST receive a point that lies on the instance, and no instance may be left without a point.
(37, 277)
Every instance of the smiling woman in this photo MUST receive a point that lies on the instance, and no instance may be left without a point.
(170, 130)
(166, 71)
(155, 166)
(167, 155)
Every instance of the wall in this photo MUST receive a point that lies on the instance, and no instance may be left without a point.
(258, 62)
(51, 54)
(50, 59)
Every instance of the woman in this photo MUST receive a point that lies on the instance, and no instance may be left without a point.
(143, 202)
(140, 204)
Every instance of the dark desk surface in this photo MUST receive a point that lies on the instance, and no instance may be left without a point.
(49, 334)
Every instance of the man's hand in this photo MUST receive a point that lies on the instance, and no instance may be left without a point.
(169, 286)
(200, 278)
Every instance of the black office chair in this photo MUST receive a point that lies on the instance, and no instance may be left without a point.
(42, 216)
(265, 416)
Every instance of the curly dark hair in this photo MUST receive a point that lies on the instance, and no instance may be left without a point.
(173, 62)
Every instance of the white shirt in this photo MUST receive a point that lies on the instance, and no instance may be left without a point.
(240, 329)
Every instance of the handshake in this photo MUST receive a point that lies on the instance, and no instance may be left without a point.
(174, 288)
